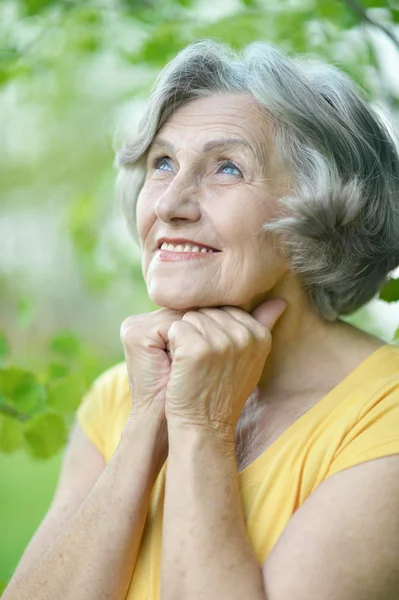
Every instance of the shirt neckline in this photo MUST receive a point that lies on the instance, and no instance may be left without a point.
(360, 374)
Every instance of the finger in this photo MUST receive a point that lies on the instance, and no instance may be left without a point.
(254, 328)
(260, 323)
(186, 336)
(225, 313)
(269, 312)
(211, 329)
(266, 314)
(237, 325)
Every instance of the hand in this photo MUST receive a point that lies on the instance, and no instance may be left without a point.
(218, 355)
(145, 343)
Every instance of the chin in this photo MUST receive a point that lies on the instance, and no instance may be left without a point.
(180, 302)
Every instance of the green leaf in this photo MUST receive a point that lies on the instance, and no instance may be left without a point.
(11, 436)
(66, 344)
(46, 435)
(165, 42)
(337, 12)
(55, 370)
(239, 29)
(4, 348)
(10, 57)
(3, 586)
(22, 390)
(65, 394)
(250, 3)
(185, 3)
(35, 7)
(375, 4)
(390, 292)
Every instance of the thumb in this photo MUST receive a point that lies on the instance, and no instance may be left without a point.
(269, 312)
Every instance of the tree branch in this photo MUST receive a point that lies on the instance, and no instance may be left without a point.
(359, 10)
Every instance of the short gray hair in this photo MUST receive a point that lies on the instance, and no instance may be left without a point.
(340, 225)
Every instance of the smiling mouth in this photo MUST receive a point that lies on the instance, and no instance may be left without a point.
(166, 255)
(186, 248)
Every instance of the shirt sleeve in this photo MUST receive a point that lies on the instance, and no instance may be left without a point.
(96, 409)
(374, 435)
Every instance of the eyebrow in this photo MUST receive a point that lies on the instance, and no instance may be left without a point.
(208, 147)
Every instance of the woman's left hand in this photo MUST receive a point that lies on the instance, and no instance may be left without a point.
(218, 355)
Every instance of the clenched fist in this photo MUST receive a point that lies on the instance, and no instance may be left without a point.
(145, 343)
(218, 356)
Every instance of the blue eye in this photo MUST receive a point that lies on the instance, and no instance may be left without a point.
(161, 163)
(230, 165)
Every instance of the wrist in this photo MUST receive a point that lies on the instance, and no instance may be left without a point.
(194, 447)
(152, 412)
(148, 437)
(151, 423)
(181, 428)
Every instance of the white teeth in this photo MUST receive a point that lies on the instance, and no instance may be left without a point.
(181, 248)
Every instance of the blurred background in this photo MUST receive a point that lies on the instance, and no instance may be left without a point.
(73, 79)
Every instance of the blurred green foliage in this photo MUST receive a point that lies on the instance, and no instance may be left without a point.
(71, 74)
(68, 70)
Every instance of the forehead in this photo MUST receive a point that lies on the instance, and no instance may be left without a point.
(221, 115)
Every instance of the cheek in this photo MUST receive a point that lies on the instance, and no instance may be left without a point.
(144, 215)
(241, 226)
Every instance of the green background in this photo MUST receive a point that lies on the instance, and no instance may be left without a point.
(73, 79)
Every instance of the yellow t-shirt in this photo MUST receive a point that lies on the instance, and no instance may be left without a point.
(356, 422)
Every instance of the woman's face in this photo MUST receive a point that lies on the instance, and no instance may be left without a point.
(212, 178)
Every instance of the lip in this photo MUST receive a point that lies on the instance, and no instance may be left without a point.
(183, 241)
(170, 256)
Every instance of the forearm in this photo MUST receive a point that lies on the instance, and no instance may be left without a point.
(206, 551)
(95, 555)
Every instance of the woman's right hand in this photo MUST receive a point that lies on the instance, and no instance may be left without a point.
(145, 344)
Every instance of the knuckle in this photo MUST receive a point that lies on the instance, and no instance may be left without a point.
(130, 329)
(173, 328)
(225, 346)
(190, 317)
(243, 338)
(221, 348)
(203, 349)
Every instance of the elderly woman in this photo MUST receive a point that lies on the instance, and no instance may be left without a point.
(248, 446)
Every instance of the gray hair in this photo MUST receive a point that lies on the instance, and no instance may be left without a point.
(340, 224)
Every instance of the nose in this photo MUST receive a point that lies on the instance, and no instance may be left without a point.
(179, 202)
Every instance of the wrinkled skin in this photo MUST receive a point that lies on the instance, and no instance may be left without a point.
(218, 355)
(219, 197)
(202, 196)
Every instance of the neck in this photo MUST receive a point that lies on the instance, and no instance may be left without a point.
(303, 344)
